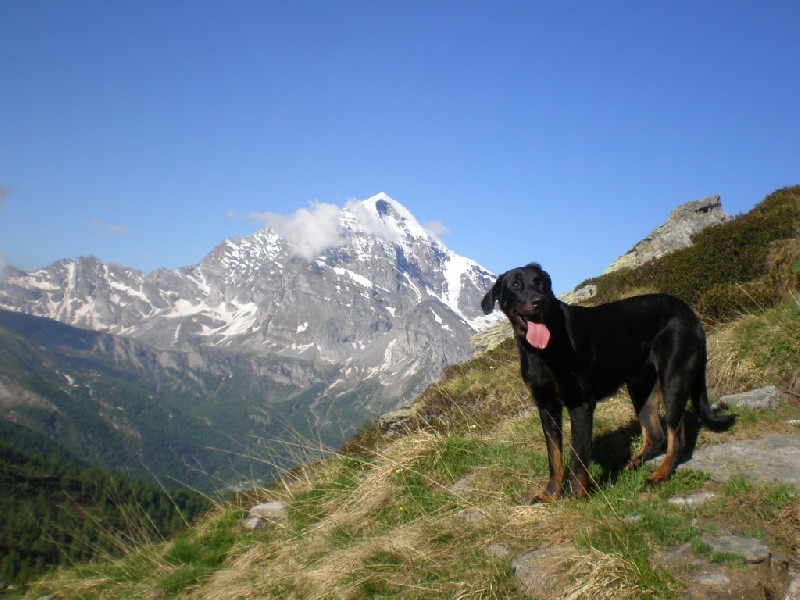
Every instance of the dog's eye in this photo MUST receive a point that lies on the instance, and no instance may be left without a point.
(516, 284)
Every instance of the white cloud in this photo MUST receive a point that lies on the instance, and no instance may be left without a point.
(309, 231)
(259, 217)
(437, 228)
(108, 229)
(5, 192)
(256, 217)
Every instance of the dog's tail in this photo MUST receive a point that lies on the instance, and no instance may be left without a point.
(713, 420)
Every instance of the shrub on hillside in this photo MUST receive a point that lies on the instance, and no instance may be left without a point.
(784, 265)
(758, 249)
(727, 301)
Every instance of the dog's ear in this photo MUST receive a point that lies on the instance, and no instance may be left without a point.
(487, 304)
(547, 279)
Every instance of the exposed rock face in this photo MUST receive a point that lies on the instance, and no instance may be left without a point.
(261, 515)
(491, 337)
(579, 295)
(675, 233)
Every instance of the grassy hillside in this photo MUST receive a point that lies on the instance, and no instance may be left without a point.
(439, 511)
(56, 512)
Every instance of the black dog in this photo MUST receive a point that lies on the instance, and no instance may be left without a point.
(574, 356)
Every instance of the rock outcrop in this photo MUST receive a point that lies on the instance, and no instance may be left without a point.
(675, 233)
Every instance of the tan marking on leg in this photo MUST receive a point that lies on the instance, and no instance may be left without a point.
(636, 461)
(650, 421)
(667, 466)
(555, 487)
(652, 417)
(580, 484)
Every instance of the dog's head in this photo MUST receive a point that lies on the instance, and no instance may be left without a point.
(525, 296)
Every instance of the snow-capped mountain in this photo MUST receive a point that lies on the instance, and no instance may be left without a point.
(373, 294)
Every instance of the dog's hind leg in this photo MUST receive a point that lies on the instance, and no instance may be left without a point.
(675, 391)
(646, 401)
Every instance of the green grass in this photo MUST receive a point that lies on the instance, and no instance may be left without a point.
(195, 555)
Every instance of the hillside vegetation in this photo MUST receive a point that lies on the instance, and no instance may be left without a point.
(55, 512)
(438, 511)
(743, 266)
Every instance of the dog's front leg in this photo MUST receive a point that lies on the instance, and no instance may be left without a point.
(551, 416)
(581, 424)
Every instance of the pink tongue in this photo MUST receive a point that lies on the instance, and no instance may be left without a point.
(538, 335)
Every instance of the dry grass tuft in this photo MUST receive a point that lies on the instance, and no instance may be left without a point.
(601, 576)
(308, 562)
(375, 489)
(617, 410)
(728, 370)
(757, 350)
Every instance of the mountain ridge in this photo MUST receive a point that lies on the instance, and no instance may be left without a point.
(358, 329)
(219, 291)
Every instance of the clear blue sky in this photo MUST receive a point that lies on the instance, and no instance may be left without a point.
(563, 132)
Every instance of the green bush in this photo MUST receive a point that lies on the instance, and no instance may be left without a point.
(726, 301)
(741, 266)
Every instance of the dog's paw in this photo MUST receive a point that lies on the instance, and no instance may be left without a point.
(633, 464)
(543, 497)
(652, 485)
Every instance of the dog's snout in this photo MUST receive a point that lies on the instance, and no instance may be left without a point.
(537, 302)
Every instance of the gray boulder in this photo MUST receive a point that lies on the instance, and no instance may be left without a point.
(263, 514)
(753, 551)
(536, 570)
(769, 460)
(766, 398)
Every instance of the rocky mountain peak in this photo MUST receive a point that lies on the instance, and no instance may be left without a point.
(362, 291)
(675, 233)
(395, 217)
